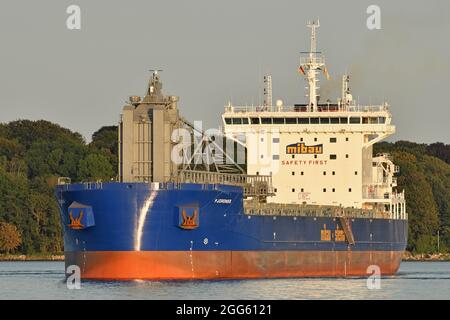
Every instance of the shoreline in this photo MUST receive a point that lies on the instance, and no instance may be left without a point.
(32, 257)
(407, 256)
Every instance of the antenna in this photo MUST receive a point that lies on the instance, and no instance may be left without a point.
(268, 92)
(154, 85)
(155, 71)
(346, 95)
(310, 64)
(313, 25)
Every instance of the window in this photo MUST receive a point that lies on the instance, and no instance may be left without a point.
(254, 120)
(381, 120)
(356, 173)
(324, 120)
(278, 120)
(324, 173)
(301, 190)
(262, 156)
(301, 173)
(324, 190)
(303, 120)
(262, 139)
(355, 120)
(293, 189)
(293, 156)
(293, 173)
(276, 140)
(237, 120)
(244, 120)
(315, 139)
(346, 139)
(276, 157)
(314, 120)
(365, 120)
(333, 173)
(334, 120)
(291, 120)
(315, 156)
(301, 139)
(275, 190)
(257, 173)
(332, 157)
(333, 140)
(344, 120)
(349, 189)
(266, 120)
(346, 156)
(333, 190)
(228, 120)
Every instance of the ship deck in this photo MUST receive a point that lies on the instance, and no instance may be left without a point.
(252, 207)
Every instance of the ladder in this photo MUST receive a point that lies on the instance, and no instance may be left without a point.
(345, 223)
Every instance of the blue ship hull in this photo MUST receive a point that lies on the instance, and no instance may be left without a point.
(185, 231)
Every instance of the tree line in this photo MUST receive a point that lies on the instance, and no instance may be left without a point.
(425, 177)
(33, 154)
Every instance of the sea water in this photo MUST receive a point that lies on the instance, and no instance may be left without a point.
(46, 280)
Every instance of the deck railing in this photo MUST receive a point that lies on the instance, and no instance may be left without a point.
(304, 210)
(322, 109)
(253, 185)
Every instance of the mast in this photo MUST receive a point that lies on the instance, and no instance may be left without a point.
(310, 64)
(346, 98)
(154, 85)
(268, 92)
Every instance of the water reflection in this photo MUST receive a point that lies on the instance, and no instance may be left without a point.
(45, 280)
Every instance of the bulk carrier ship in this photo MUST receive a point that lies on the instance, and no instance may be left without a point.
(280, 191)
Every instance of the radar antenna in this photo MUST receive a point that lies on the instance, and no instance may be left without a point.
(310, 64)
(155, 85)
(155, 71)
(267, 92)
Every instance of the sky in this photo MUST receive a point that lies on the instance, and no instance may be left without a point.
(215, 51)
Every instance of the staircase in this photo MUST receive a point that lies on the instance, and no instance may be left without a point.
(345, 223)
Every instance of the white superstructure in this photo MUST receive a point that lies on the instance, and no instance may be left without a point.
(319, 153)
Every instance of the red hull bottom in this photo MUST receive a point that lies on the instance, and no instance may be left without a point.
(171, 265)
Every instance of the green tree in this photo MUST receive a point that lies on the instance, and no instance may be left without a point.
(15, 209)
(46, 214)
(27, 132)
(95, 167)
(10, 237)
(426, 180)
(10, 148)
(439, 150)
(105, 141)
(420, 204)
